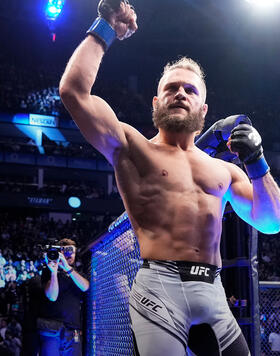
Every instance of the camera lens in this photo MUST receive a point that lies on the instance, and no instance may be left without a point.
(52, 254)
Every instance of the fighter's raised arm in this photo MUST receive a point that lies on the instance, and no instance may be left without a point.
(95, 118)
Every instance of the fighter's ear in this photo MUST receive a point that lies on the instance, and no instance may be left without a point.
(155, 99)
(205, 109)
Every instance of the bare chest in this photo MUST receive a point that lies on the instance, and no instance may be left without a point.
(179, 172)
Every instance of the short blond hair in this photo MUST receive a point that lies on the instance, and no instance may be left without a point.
(188, 64)
(185, 63)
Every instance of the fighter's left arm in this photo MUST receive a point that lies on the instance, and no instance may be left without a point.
(257, 202)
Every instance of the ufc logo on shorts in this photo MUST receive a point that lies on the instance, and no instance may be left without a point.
(199, 271)
(149, 303)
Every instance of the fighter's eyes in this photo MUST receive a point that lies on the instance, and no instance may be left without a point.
(189, 89)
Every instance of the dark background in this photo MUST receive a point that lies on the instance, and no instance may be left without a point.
(237, 45)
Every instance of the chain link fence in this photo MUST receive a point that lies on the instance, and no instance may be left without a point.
(115, 262)
(270, 318)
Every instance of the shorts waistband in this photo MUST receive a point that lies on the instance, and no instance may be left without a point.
(188, 271)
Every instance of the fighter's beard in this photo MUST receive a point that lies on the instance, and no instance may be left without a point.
(191, 122)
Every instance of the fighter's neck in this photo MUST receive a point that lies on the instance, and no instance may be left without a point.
(181, 140)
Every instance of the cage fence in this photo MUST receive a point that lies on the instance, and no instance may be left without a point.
(270, 318)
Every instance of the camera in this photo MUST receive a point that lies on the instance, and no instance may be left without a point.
(52, 252)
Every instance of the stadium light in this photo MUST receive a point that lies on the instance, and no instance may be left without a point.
(53, 9)
(74, 202)
(264, 3)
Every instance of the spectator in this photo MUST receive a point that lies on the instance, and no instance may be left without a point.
(2, 260)
(12, 298)
(274, 340)
(32, 267)
(10, 273)
(12, 343)
(2, 277)
(14, 327)
(3, 328)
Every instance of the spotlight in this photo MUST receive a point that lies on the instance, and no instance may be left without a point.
(264, 3)
(53, 9)
(74, 202)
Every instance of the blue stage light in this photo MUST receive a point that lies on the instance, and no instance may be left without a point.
(53, 9)
(74, 202)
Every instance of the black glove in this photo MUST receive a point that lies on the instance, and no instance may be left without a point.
(246, 141)
(107, 7)
(213, 141)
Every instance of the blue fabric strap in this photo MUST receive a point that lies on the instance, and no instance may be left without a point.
(103, 31)
(70, 271)
(258, 168)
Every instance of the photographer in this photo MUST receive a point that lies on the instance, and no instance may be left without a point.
(59, 321)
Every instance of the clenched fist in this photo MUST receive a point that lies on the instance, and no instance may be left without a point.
(120, 15)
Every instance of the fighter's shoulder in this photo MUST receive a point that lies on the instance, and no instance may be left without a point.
(215, 162)
(132, 134)
(235, 171)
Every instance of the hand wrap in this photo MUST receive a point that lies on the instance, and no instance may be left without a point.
(103, 31)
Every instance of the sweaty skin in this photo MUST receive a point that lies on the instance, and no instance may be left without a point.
(173, 192)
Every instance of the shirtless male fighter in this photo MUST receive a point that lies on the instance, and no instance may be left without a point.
(173, 192)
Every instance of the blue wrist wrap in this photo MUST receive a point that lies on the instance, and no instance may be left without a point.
(258, 168)
(103, 31)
